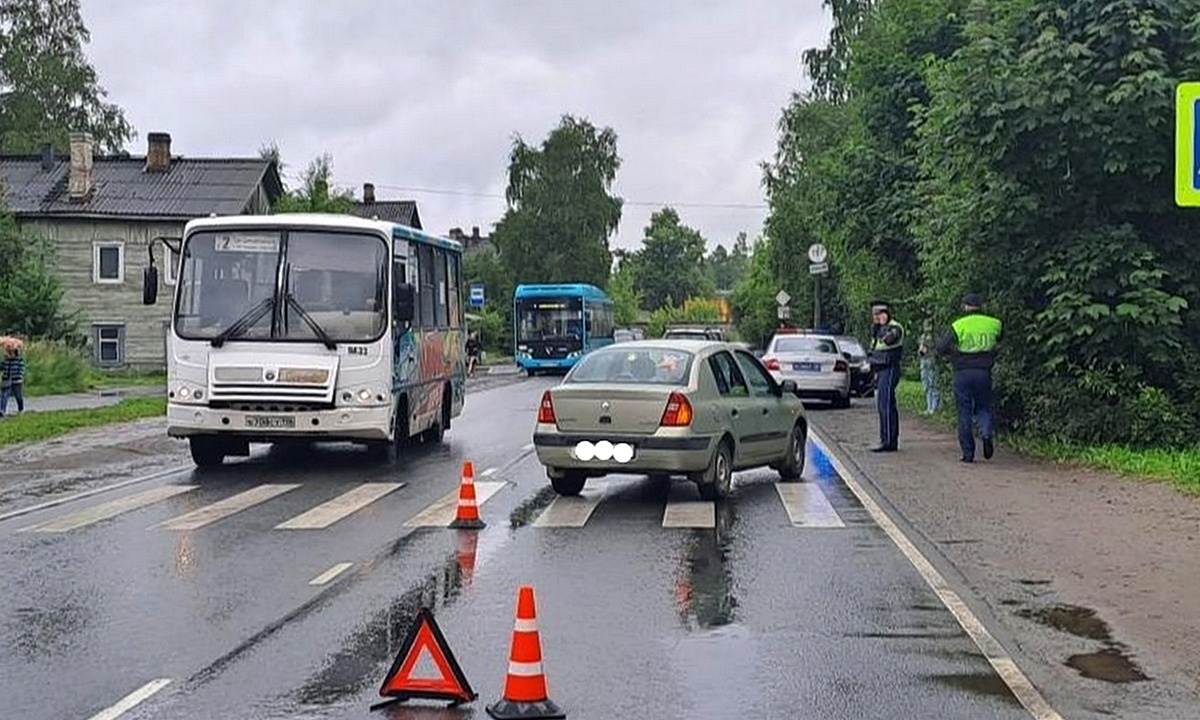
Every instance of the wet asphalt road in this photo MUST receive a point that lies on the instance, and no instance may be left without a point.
(754, 617)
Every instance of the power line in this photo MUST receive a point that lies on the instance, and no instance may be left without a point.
(640, 203)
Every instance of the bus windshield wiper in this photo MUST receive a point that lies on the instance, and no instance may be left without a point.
(245, 322)
(308, 320)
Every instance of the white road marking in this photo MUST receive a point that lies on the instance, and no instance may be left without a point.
(326, 514)
(486, 473)
(442, 512)
(330, 574)
(132, 700)
(109, 510)
(690, 514)
(995, 653)
(229, 506)
(572, 511)
(807, 506)
(89, 493)
(527, 448)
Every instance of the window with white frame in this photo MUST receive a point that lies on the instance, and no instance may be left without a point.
(108, 343)
(108, 262)
(170, 265)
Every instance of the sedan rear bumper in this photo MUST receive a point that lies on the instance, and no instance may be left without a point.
(651, 453)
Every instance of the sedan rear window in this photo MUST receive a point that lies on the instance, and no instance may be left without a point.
(805, 344)
(653, 366)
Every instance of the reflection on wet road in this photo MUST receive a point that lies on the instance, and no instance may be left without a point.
(284, 588)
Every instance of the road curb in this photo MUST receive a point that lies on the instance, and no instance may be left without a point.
(875, 502)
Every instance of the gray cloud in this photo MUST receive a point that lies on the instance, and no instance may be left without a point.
(430, 94)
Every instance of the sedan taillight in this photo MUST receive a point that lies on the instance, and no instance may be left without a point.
(771, 364)
(678, 412)
(546, 410)
(841, 366)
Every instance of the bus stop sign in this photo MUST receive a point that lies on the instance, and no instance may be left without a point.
(1187, 144)
(476, 295)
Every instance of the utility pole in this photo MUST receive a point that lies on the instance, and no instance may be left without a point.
(817, 256)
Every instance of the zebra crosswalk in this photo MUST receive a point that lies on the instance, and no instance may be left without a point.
(805, 506)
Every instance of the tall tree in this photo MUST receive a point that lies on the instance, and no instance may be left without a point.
(48, 89)
(31, 291)
(316, 192)
(670, 265)
(560, 210)
(727, 266)
(627, 301)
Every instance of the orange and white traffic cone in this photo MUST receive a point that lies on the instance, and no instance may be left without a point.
(525, 694)
(467, 517)
(464, 550)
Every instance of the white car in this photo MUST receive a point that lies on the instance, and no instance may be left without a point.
(813, 362)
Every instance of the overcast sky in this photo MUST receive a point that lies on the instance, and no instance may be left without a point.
(429, 95)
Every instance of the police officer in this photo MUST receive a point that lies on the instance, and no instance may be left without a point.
(887, 349)
(971, 346)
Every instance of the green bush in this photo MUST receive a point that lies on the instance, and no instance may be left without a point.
(53, 367)
(494, 331)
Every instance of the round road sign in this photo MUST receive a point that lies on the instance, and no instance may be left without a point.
(817, 253)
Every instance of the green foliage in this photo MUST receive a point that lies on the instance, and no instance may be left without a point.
(670, 265)
(53, 368)
(1021, 149)
(727, 266)
(483, 265)
(694, 311)
(495, 330)
(30, 291)
(316, 193)
(754, 298)
(48, 89)
(560, 210)
(627, 301)
(35, 426)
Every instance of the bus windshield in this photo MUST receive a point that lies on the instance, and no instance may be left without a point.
(333, 286)
(549, 318)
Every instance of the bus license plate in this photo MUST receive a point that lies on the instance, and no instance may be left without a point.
(271, 421)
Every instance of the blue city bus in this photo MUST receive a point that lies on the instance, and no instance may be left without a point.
(555, 325)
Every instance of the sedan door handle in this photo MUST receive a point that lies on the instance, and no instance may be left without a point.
(733, 412)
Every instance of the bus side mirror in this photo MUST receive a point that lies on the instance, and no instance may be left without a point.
(149, 285)
(404, 303)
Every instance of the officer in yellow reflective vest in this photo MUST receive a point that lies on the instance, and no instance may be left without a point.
(885, 354)
(971, 346)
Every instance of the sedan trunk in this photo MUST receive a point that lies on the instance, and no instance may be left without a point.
(629, 412)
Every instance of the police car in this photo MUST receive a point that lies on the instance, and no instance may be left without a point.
(813, 361)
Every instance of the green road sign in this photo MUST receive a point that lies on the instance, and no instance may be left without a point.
(1187, 144)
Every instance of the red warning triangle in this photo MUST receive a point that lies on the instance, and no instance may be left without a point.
(425, 638)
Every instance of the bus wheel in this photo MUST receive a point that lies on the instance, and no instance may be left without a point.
(207, 451)
(437, 433)
(389, 451)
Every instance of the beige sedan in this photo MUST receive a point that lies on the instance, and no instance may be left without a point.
(669, 407)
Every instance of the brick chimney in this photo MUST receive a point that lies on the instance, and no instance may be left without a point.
(158, 155)
(368, 193)
(80, 181)
(475, 233)
(456, 233)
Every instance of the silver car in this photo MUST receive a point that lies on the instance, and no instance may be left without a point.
(813, 362)
(664, 407)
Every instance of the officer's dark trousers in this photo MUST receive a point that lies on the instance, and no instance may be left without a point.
(973, 397)
(885, 399)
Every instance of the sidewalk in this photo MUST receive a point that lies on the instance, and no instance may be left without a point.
(1062, 563)
(87, 400)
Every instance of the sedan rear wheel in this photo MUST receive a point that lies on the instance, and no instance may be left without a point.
(791, 467)
(716, 481)
(569, 483)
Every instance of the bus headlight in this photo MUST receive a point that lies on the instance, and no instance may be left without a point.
(575, 354)
(188, 394)
(364, 395)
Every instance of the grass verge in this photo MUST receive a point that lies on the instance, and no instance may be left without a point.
(35, 426)
(53, 368)
(1181, 467)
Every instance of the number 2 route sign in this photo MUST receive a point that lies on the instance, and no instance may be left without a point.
(1187, 144)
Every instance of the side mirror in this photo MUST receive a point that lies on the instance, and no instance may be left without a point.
(149, 285)
(788, 386)
(847, 355)
(404, 303)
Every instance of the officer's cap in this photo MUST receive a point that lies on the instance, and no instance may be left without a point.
(880, 306)
(972, 300)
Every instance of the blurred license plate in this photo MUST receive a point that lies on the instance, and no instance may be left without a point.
(806, 367)
(271, 421)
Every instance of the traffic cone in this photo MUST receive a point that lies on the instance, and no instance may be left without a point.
(467, 517)
(525, 694)
(464, 550)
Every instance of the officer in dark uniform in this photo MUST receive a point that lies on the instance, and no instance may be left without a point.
(971, 346)
(885, 354)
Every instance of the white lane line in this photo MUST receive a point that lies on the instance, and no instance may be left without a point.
(807, 506)
(326, 514)
(527, 448)
(573, 511)
(442, 512)
(132, 700)
(330, 574)
(995, 653)
(229, 506)
(690, 514)
(89, 493)
(488, 472)
(109, 510)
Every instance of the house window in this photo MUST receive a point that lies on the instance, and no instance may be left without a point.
(108, 344)
(170, 265)
(108, 262)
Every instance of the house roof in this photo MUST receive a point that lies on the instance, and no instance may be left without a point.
(191, 187)
(403, 212)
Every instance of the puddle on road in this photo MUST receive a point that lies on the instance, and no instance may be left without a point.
(528, 510)
(1111, 664)
(703, 585)
(982, 683)
(1079, 621)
